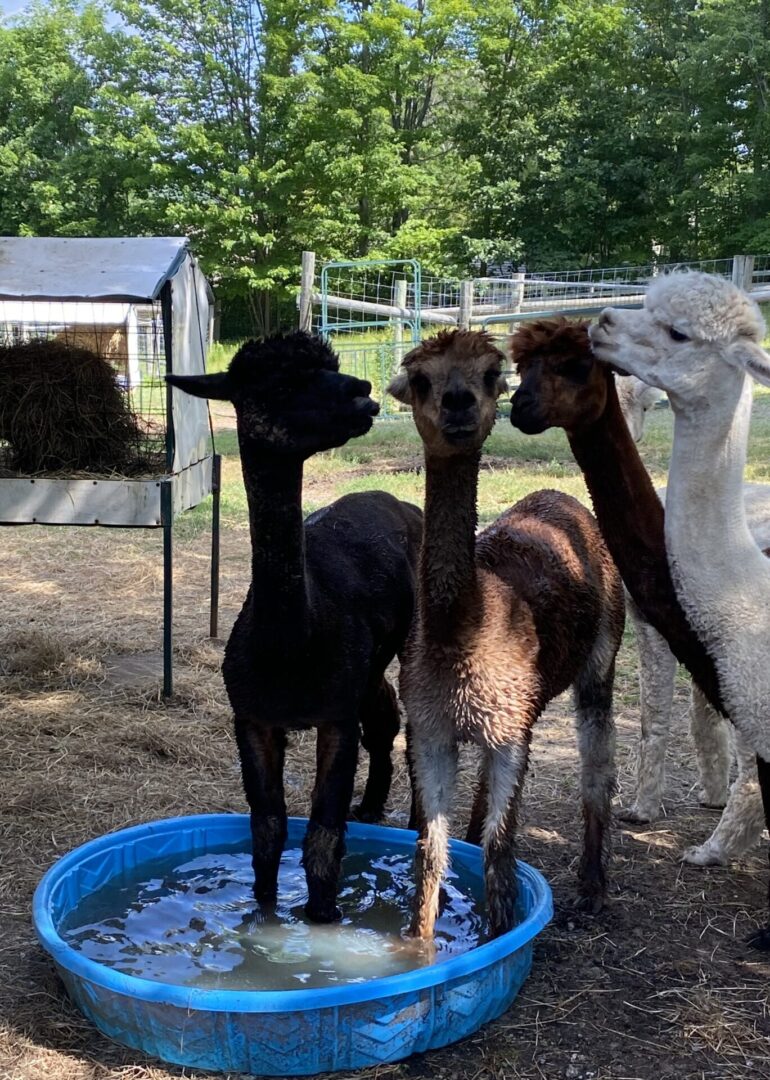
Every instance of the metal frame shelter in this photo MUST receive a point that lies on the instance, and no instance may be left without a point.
(105, 272)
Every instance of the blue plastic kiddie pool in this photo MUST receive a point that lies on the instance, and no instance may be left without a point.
(287, 1032)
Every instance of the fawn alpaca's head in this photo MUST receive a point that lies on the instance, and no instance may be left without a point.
(452, 382)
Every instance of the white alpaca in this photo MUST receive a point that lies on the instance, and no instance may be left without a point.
(741, 825)
(697, 338)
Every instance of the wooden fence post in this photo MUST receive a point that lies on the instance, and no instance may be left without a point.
(743, 271)
(518, 297)
(399, 301)
(466, 305)
(306, 291)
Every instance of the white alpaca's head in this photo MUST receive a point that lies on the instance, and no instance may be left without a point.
(696, 338)
(636, 399)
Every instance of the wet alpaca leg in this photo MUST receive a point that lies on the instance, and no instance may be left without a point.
(740, 826)
(657, 669)
(505, 769)
(435, 772)
(261, 752)
(760, 939)
(712, 750)
(379, 724)
(324, 845)
(596, 744)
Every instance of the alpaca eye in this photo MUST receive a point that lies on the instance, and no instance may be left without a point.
(420, 384)
(491, 377)
(573, 369)
(677, 335)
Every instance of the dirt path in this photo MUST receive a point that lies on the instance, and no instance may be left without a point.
(659, 987)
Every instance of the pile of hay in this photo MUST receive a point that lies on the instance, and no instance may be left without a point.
(62, 410)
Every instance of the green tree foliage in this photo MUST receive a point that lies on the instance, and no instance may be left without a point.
(544, 131)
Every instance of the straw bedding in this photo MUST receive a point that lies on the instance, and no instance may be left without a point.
(62, 410)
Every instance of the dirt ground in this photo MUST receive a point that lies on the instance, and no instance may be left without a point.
(659, 986)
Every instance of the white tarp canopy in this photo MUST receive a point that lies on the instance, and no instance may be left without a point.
(131, 269)
(43, 278)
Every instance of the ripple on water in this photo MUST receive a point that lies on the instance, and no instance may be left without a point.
(196, 923)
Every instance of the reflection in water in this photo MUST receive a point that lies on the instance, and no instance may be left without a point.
(196, 923)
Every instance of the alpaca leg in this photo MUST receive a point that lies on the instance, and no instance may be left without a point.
(761, 938)
(324, 845)
(261, 752)
(657, 668)
(712, 749)
(505, 771)
(596, 744)
(379, 723)
(435, 772)
(740, 826)
(416, 817)
(475, 829)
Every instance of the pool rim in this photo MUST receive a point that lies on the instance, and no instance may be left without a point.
(207, 999)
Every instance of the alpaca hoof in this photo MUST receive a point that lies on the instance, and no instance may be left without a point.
(712, 804)
(590, 905)
(364, 815)
(704, 855)
(634, 816)
(322, 913)
(760, 939)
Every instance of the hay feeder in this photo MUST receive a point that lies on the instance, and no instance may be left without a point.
(143, 306)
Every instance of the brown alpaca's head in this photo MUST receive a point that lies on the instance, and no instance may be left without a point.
(289, 396)
(452, 382)
(562, 385)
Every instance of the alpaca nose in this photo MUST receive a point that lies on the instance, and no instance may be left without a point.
(606, 319)
(457, 400)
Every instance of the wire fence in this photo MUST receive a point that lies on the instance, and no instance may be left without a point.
(374, 311)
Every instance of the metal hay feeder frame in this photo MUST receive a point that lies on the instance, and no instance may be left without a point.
(44, 283)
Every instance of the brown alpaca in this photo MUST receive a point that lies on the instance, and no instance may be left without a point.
(563, 385)
(504, 623)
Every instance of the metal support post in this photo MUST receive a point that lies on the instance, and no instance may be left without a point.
(216, 486)
(167, 520)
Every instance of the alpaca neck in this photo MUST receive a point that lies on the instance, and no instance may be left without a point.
(447, 560)
(631, 519)
(621, 490)
(706, 529)
(279, 596)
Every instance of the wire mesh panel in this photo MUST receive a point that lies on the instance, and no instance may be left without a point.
(370, 312)
(81, 388)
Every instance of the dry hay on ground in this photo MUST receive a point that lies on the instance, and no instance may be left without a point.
(62, 410)
(659, 987)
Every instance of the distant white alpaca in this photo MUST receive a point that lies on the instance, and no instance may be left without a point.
(697, 338)
(636, 399)
(741, 827)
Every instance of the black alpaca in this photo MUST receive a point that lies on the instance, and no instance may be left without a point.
(329, 605)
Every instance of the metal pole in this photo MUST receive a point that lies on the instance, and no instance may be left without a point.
(167, 520)
(216, 484)
(306, 291)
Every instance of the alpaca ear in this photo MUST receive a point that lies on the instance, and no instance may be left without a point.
(400, 389)
(218, 387)
(752, 358)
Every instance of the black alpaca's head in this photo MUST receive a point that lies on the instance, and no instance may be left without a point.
(289, 395)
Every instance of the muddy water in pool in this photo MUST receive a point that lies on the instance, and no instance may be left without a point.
(195, 923)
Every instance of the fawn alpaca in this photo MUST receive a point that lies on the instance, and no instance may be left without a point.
(504, 623)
